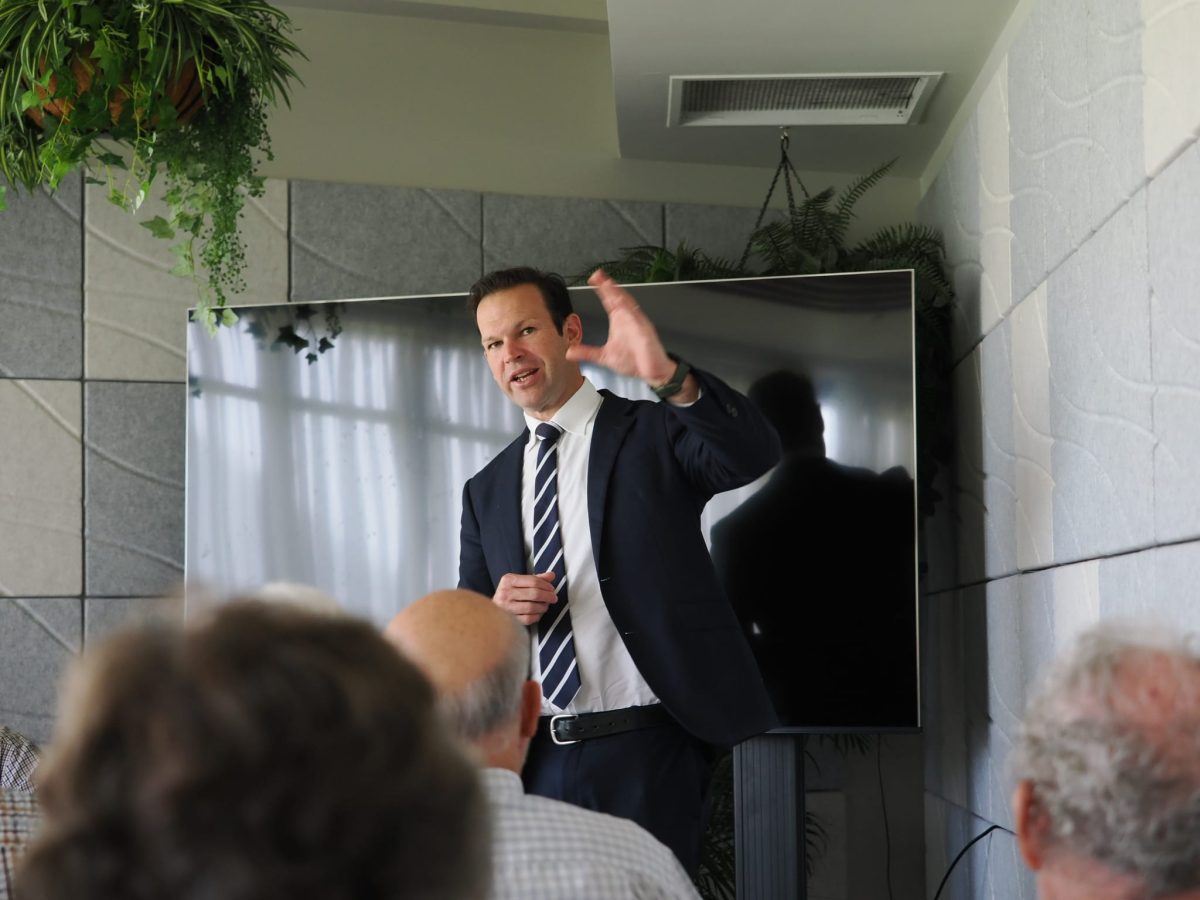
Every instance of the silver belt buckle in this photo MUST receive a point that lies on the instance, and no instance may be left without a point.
(554, 736)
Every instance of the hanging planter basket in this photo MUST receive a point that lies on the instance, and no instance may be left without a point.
(183, 91)
(127, 90)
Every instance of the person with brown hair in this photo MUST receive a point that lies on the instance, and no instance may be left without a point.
(266, 753)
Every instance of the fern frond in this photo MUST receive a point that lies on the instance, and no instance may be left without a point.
(650, 264)
(851, 195)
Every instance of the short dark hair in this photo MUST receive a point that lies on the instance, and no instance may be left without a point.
(270, 753)
(552, 287)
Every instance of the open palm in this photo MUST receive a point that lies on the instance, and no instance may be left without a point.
(633, 346)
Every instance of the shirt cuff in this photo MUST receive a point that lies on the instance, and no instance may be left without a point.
(693, 403)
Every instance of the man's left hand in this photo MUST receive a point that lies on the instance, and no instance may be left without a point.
(633, 346)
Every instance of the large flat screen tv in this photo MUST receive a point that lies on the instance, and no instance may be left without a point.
(340, 464)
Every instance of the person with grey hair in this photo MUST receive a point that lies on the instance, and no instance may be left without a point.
(477, 657)
(1107, 802)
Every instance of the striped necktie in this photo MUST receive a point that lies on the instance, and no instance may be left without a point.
(556, 644)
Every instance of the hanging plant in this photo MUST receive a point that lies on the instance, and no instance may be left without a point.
(811, 240)
(126, 90)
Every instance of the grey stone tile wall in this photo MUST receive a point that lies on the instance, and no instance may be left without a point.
(134, 503)
(353, 240)
(104, 615)
(41, 283)
(561, 234)
(720, 231)
(38, 638)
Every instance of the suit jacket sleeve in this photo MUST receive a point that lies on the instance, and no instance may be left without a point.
(472, 565)
(722, 441)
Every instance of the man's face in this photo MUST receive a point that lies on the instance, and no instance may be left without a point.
(527, 355)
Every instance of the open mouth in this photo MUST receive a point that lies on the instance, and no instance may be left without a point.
(523, 376)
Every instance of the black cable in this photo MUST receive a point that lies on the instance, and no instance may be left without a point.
(779, 169)
(887, 836)
(963, 851)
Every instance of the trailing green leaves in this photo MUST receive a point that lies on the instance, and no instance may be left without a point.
(80, 80)
(160, 228)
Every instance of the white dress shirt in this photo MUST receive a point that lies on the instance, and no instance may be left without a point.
(548, 850)
(608, 678)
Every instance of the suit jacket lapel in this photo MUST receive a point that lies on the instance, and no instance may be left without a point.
(507, 505)
(612, 424)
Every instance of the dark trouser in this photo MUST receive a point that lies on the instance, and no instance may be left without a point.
(656, 776)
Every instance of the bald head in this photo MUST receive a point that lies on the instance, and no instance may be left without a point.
(454, 637)
(475, 654)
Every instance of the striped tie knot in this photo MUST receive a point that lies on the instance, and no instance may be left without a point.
(548, 432)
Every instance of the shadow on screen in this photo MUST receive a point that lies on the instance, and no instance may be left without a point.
(819, 566)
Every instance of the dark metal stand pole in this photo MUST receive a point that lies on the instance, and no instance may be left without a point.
(768, 818)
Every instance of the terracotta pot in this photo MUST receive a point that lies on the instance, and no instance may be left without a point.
(184, 91)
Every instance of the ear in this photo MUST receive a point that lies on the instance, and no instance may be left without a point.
(573, 329)
(1033, 825)
(531, 708)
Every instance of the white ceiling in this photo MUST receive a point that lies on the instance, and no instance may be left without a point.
(651, 40)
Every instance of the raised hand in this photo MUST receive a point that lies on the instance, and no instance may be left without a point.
(633, 346)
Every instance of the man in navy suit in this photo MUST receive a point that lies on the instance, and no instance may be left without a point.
(654, 669)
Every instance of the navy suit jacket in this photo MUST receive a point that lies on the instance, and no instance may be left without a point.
(652, 468)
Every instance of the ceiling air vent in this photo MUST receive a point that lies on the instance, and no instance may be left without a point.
(888, 98)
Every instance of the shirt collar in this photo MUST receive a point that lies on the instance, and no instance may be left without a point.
(575, 414)
(501, 783)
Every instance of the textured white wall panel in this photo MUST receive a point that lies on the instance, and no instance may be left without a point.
(999, 452)
(1176, 575)
(1115, 164)
(1171, 89)
(968, 503)
(1062, 142)
(1101, 392)
(1174, 235)
(995, 199)
(1076, 601)
(1100, 360)
(1033, 440)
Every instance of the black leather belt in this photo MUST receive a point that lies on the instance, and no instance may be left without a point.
(570, 728)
